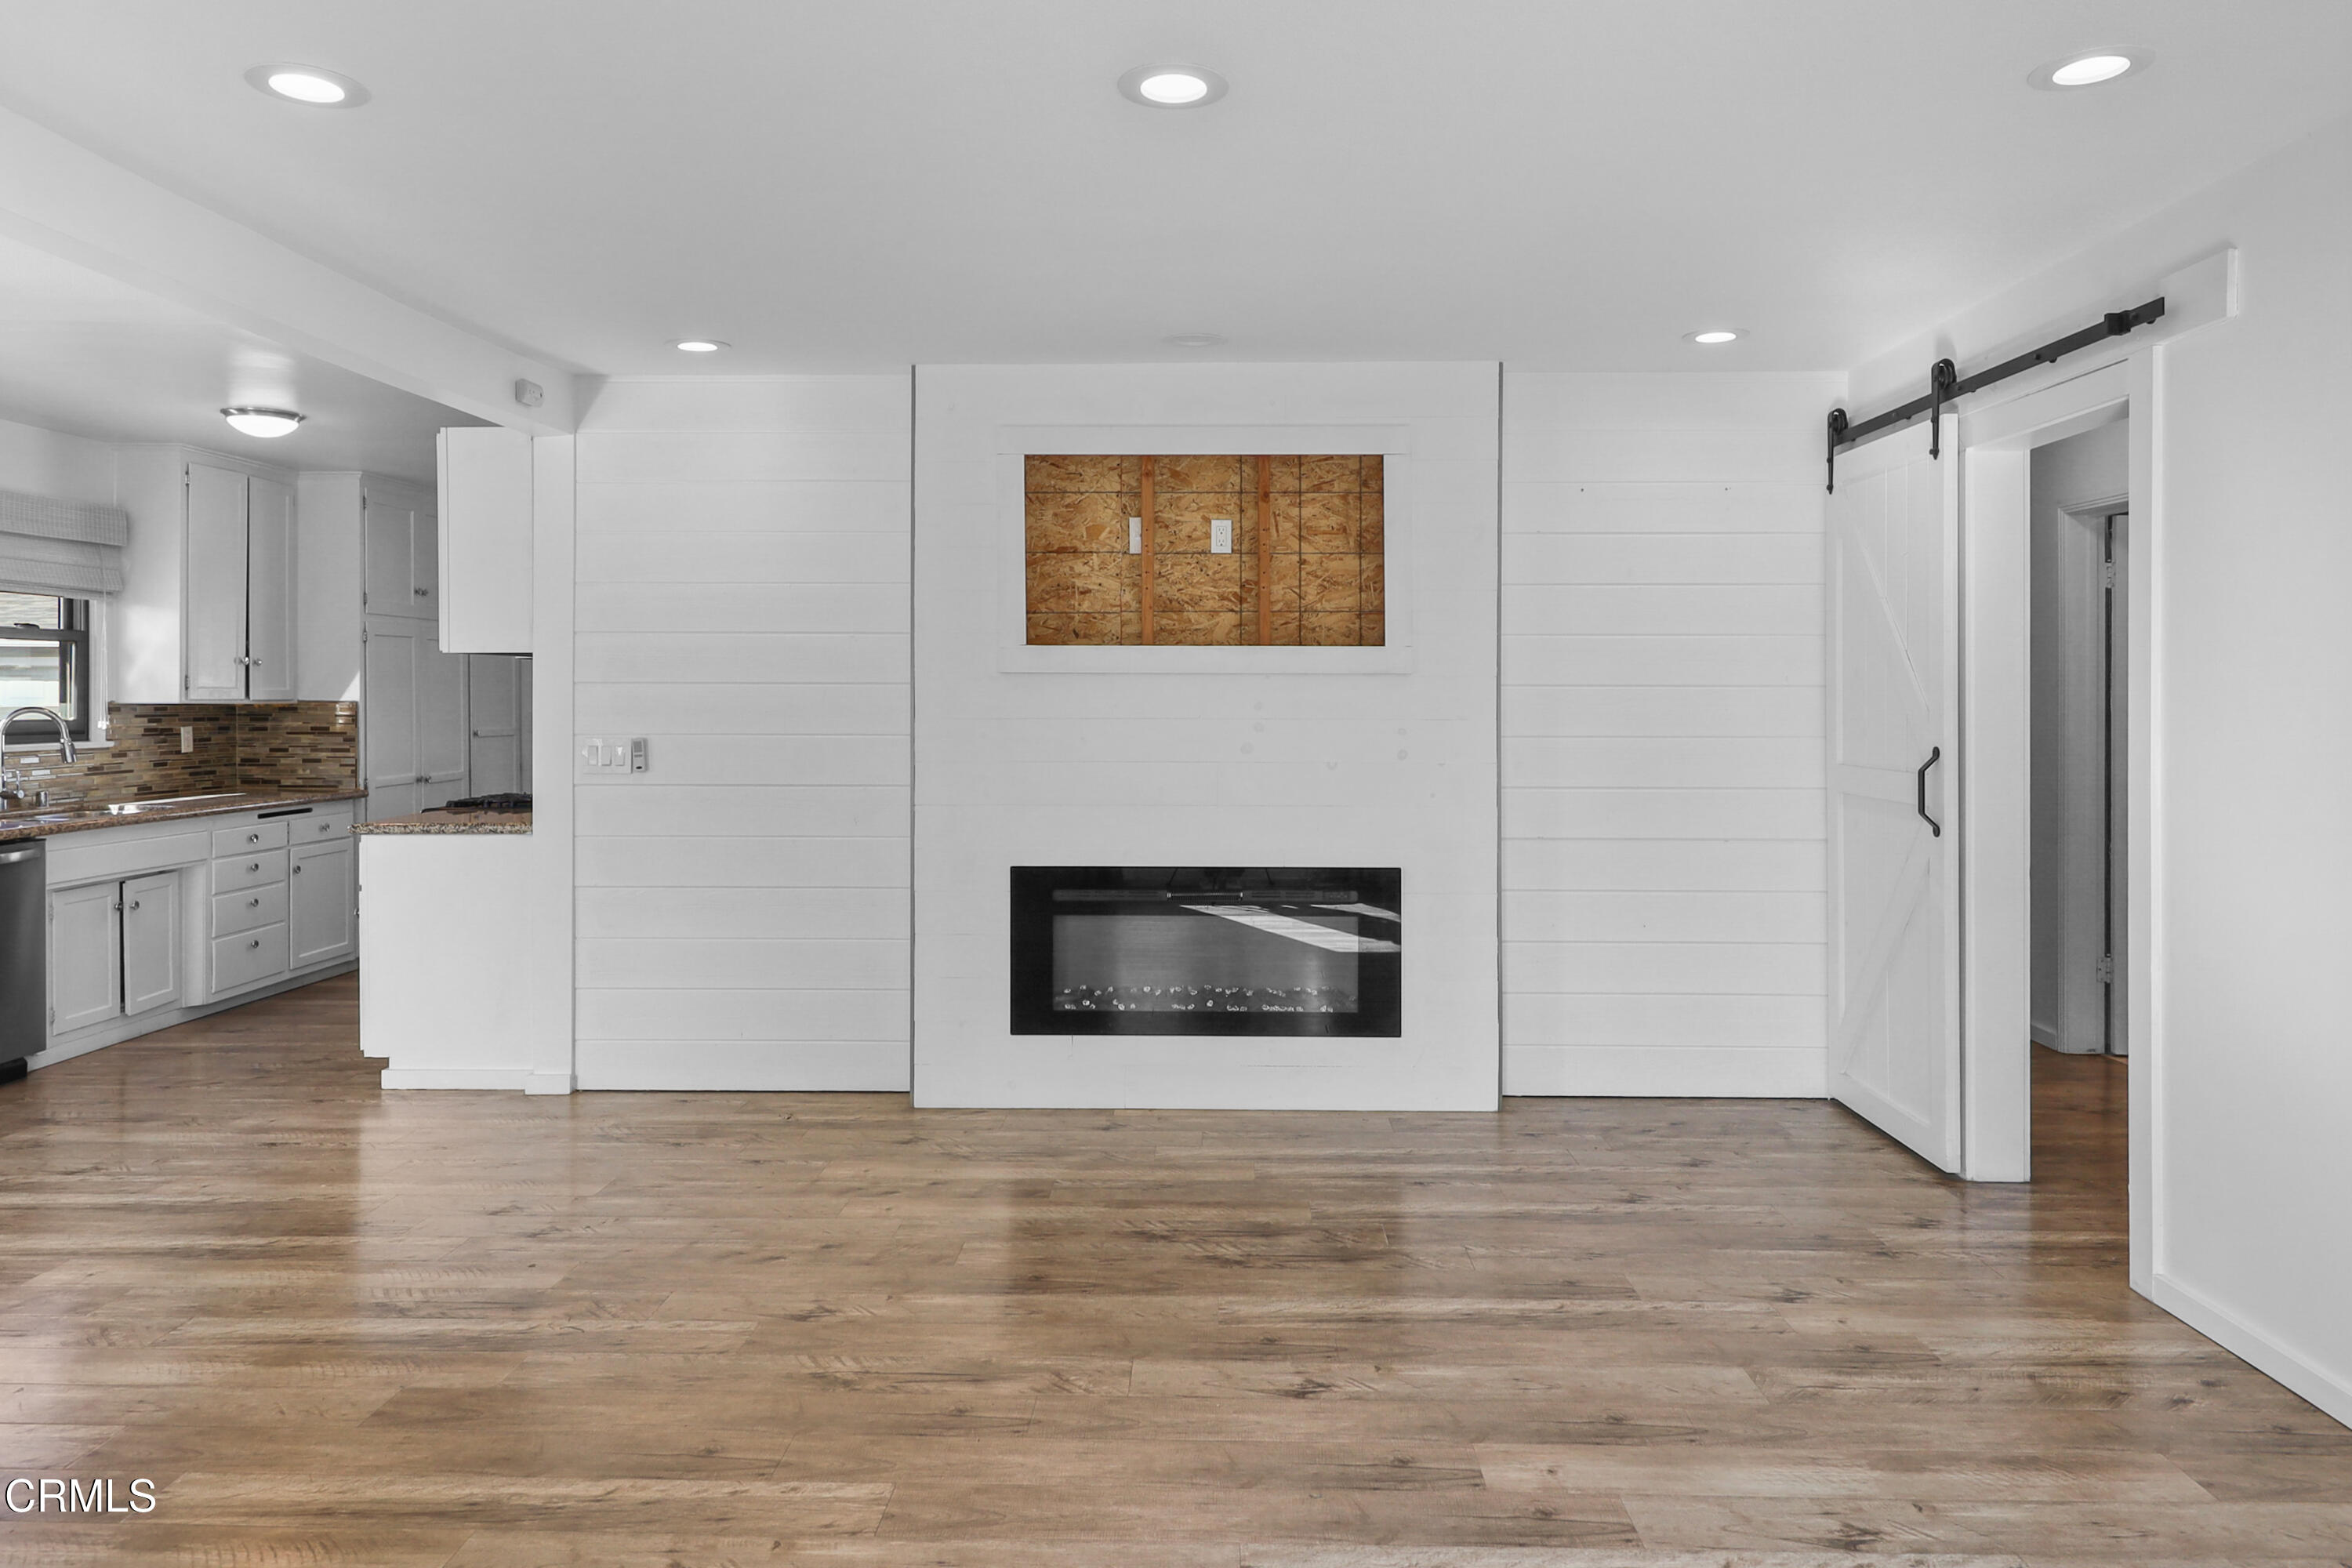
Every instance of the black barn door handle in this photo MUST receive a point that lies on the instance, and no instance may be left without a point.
(1934, 827)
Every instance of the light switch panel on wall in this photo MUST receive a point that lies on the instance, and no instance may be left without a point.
(1220, 536)
(187, 737)
(1135, 536)
(601, 756)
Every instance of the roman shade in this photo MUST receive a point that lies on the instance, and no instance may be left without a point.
(66, 547)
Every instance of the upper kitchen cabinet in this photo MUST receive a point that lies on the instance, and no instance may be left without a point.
(207, 613)
(402, 549)
(486, 541)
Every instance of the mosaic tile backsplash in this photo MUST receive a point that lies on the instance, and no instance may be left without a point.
(238, 745)
(1325, 586)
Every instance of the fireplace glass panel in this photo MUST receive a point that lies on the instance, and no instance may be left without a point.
(1206, 950)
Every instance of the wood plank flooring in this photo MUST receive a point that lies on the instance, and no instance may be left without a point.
(411, 1330)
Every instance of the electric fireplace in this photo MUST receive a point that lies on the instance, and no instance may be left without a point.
(1207, 950)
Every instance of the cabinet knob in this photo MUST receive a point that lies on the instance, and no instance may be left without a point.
(253, 864)
(255, 943)
(297, 870)
(253, 903)
(253, 838)
(134, 906)
(418, 592)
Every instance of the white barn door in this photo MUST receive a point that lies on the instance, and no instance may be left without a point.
(1894, 670)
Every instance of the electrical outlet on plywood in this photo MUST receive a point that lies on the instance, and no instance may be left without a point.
(1207, 550)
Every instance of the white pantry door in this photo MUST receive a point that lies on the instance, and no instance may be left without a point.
(1893, 699)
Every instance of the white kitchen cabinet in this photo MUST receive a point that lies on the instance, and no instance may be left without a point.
(321, 906)
(85, 956)
(402, 555)
(485, 495)
(268, 591)
(151, 942)
(239, 616)
(415, 744)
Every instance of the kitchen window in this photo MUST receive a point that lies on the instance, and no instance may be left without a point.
(44, 663)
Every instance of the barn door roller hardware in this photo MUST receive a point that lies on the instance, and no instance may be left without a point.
(1945, 385)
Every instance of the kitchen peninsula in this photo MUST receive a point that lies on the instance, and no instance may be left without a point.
(439, 892)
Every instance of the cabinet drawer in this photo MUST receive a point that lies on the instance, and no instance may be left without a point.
(244, 840)
(324, 826)
(249, 907)
(248, 958)
(248, 870)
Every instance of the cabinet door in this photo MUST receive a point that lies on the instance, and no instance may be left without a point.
(320, 904)
(151, 942)
(388, 717)
(390, 543)
(85, 956)
(215, 586)
(485, 495)
(424, 566)
(442, 743)
(269, 591)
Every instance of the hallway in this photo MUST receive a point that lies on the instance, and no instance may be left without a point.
(334, 1324)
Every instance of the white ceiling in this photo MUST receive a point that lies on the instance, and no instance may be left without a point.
(82, 353)
(883, 182)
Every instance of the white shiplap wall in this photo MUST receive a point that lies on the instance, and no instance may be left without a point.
(1662, 758)
(744, 572)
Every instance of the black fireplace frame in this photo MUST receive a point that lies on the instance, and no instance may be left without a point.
(1380, 1013)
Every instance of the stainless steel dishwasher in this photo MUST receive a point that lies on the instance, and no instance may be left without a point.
(24, 955)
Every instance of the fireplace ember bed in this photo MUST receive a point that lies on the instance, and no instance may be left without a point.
(1195, 950)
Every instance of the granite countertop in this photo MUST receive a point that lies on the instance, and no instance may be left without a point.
(445, 821)
(81, 815)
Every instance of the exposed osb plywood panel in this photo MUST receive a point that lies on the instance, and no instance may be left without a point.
(1325, 567)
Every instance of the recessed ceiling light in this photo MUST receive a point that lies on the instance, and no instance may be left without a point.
(2088, 69)
(1716, 335)
(1173, 86)
(312, 85)
(262, 422)
(1193, 340)
(697, 345)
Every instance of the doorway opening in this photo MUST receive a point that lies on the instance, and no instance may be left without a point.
(2080, 533)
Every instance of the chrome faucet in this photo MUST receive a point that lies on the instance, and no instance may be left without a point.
(65, 734)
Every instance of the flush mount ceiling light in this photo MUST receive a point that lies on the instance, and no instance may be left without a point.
(1713, 335)
(262, 422)
(1173, 86)
(312, 85)
(1193, 340)
(697, 345)
(2088, 67)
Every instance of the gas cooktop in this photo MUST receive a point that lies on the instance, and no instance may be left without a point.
(509, 802)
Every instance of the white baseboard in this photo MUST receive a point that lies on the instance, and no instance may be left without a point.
(510, 1078)
(755, 1067)
(1767, 1072)
(547, 1083)
(114, 1031)
(2235, 1334)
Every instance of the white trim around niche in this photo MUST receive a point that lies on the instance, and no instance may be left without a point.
(1015, 443)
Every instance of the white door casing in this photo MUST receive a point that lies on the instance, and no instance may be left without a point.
(1892, 698)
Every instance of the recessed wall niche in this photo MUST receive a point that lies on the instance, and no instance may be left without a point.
(1280, 550)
